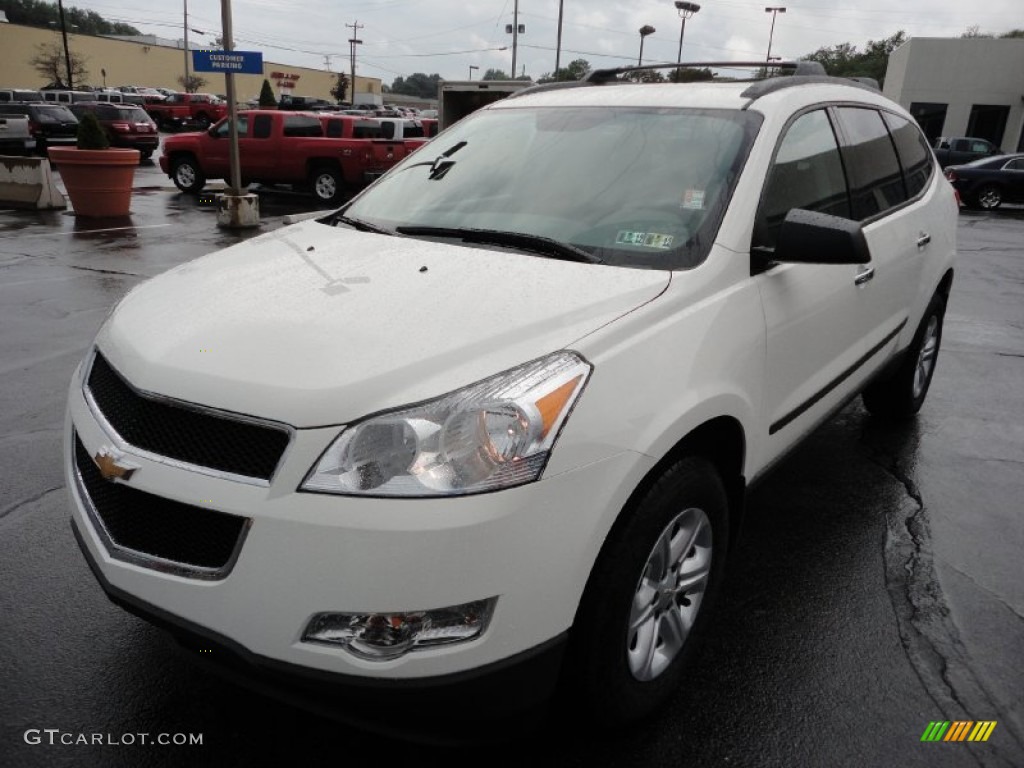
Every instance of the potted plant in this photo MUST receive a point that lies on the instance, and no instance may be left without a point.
(98, 178)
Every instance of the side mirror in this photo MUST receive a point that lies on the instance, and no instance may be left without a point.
(809, 237)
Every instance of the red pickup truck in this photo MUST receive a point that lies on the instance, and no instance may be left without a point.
(329, 154)
(178, 109)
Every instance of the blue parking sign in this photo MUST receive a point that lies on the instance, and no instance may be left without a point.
(234, 62)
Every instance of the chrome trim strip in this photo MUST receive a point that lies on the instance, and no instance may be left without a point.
(127, 447)
(143, 559)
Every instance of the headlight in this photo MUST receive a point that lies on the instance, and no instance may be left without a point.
(494, 434)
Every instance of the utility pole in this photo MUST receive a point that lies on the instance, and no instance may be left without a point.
(327, 62)
(186, 47)
(353, 42)
(515, 36)
(558, 45)
(64, 34)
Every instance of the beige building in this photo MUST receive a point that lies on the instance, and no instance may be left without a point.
(962, 87)
(154, 65)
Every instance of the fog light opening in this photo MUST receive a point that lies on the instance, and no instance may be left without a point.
(385, 636)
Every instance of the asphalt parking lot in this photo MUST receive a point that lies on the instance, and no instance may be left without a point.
(879, 585)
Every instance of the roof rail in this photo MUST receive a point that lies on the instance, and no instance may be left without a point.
(601, 76)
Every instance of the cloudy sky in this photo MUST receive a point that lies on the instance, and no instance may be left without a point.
(448, 36)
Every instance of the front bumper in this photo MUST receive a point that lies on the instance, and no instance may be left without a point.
(532, 547)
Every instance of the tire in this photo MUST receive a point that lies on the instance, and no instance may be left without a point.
(989, 197)
(635, 630)
(145, 154)
(901, 395)
(187, 176)
(326, 184)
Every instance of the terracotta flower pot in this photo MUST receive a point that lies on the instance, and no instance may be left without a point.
(99, 181)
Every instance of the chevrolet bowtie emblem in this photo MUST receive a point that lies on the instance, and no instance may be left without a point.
(112, 465)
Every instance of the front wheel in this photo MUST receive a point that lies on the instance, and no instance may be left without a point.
(187, 175)
(902, 395)
(326, 183)
(989, 197)
(649, 596)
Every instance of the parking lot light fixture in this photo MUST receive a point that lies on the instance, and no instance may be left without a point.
(686, 11)
(774, 10)
(471, 68)
(645, 30)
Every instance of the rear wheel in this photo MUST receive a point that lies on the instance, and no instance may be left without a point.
(649, 596)
(145, 154)
(326, 183)
(902, 395)
(187, 175)
(989, 197)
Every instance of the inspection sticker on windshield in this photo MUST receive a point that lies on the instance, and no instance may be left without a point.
(693, 199)
(646, 239)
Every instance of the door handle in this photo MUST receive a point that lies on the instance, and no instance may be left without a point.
(868, 273)
(923, 240)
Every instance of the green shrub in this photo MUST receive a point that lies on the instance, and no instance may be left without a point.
(90, 133)
(267, 99)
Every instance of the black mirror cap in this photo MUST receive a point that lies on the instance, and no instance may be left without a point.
(810, 237)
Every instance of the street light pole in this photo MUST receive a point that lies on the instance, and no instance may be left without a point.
(187, 89)
(773, 10)
(645, 30)
(471, 68)
(686, 11)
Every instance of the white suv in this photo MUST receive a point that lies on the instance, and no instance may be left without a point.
(491, 424)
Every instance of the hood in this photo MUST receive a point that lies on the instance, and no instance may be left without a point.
(314, 325)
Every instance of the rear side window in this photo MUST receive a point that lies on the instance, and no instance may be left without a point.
(876, 182)
(914, 152)
(367, 130)
(807, 173)
(1015, 165)
(335, 129)
(300, 125)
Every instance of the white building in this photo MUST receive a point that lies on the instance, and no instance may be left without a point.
(962, 87)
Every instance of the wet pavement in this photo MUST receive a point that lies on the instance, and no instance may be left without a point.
(879, 584)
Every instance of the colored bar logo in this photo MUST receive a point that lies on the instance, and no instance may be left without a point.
(958, 730)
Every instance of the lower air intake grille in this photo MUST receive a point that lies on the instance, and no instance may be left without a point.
(154, 527)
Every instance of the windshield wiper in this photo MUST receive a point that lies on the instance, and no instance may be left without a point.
(362, 226)
(544, 246)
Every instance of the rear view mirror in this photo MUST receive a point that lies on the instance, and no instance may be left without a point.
(809, 237)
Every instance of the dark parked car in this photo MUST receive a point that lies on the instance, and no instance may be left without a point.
(989, 182)
(954, 150)
(126, 125)
(50, 124)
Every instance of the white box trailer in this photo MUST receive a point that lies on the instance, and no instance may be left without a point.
(457, 98)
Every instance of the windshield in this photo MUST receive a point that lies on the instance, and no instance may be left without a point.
(637, 187)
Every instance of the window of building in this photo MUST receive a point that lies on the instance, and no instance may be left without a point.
(807, 173)
(988, 121)
(930, 116)
(876, 182)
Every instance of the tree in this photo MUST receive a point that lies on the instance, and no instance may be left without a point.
(50, 63)
(192, 83)
(576, 69)
(267, 98)
(844, 60)
(1016, 33)
(495, 74)
(690, 75)
(975, 31)
(35, 13)
(417, 84)
(340, 89)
